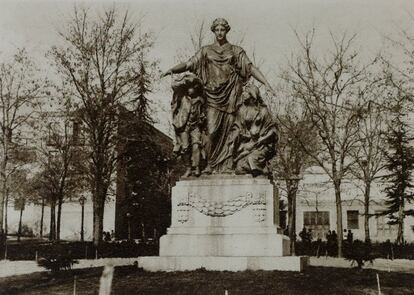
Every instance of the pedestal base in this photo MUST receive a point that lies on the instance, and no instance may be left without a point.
(215, 263)
(235, 244)
(223, 222)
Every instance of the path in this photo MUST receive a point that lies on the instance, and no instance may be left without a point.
(10, 268)
(396, 265)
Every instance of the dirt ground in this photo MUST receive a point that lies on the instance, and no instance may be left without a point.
(129, 280)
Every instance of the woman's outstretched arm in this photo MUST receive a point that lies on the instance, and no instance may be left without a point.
(182, 67)
(257, 74)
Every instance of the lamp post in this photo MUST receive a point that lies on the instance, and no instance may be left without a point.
(128, 215)
(82, 200)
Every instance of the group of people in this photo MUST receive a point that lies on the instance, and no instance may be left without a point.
(109, 236)
(331, 248)
(332, 243)
(306, 236)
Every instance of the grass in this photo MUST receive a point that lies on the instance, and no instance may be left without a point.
(129, 280)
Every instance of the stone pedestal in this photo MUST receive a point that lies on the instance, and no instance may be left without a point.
(224, 222)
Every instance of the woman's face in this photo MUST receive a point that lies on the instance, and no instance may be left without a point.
(220, 32)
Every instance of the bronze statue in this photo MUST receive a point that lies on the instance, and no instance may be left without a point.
(223, 69)
(188, 117)
(254, 135)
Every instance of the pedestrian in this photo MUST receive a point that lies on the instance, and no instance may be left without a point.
(329, 242)
(303, 235)
(334, 243)
(309, 236)
(350, 237)
(319, 246)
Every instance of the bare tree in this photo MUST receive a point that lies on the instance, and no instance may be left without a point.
(329, 88)
(291, 161)
(62, 157)
(398, 65)
(100, 60)
(21, 194)
(43, 185)
(21, 91)
(368, 156)
(198, 39)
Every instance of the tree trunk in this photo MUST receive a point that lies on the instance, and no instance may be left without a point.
(2, 201)
(3, 192)
(41, 217)
(3, 173)
(366, 210)
(339, 227)
(52, 234)
(292, 188)
(98, 213)
(19, 232)
(6, 211)
(400, 235)
(59, 216)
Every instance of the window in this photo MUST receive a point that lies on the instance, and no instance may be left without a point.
(316, 218)
(77, 134)
(317, 221)
(353, 219)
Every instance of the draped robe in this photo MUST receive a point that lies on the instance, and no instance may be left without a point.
(224, 70)
(252, 123)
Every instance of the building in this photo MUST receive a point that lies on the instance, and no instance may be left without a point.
(316, 209)
(145, 176)
(71, 219)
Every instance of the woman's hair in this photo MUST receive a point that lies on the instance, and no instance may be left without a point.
(220, 22)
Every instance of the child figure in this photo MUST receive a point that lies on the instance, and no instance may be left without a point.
(188, 117)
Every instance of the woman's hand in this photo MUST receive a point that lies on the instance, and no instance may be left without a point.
(270, 90)
(166, 73)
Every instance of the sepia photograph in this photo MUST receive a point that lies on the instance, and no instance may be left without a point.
(206, 147)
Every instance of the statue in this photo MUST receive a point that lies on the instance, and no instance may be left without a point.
(223, 69)
(188, 117)
(254, 135)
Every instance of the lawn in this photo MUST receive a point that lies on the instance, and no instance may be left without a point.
(129, 280)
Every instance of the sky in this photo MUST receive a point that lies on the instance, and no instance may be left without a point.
(267, 26)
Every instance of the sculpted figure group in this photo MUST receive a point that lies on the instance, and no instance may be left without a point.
(220, 121)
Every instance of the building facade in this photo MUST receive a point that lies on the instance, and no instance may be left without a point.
(316, 210)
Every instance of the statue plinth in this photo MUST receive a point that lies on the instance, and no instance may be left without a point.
(224, 222)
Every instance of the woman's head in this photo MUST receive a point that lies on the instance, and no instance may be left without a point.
(220, 28)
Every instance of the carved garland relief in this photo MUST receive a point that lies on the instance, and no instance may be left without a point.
(222, 209)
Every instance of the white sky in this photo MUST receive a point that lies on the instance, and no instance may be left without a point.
(267, 25)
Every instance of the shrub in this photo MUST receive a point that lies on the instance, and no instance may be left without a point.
(26, 249)
(55, 264)
(359, 252)
(27, 231)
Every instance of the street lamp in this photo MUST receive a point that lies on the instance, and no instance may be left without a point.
(82, 200)
(128, 215)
